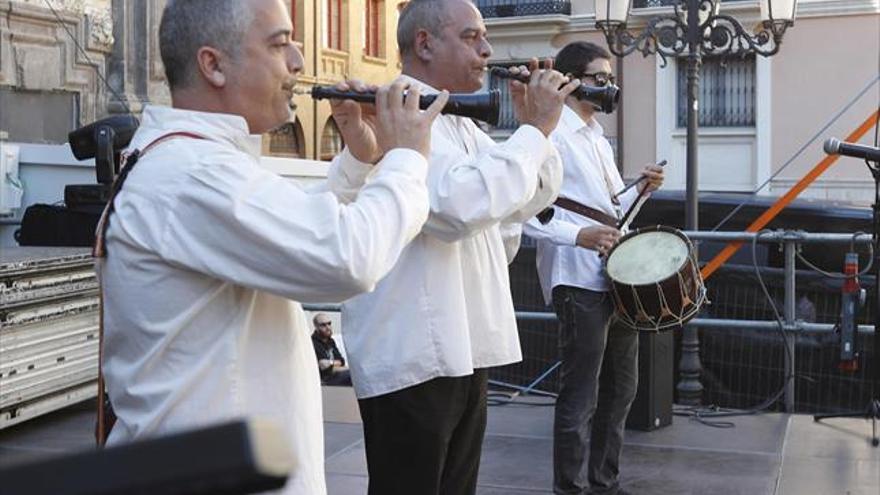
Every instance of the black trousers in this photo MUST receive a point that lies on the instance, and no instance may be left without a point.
(341, 378)
(599, 378)
(426, 439)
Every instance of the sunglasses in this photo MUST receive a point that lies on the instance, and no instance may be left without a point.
(601, 78)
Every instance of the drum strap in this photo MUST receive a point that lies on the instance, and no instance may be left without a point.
(585, 211)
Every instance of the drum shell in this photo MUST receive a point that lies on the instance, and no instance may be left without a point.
(664, 304)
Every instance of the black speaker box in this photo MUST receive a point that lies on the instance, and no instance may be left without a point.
(55, 225)
(652, 407)
(86, 196)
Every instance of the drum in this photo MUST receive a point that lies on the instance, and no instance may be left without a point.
(655, 280)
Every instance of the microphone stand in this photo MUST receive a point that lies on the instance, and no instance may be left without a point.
(872, 412)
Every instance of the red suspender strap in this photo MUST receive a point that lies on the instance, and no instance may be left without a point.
(106, 418)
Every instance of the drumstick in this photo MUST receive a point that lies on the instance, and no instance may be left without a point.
(637, 181)
(637, 204)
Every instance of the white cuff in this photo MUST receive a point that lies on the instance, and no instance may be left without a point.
(405, 160)
(534, 140)
(350, 161)
(568, 233)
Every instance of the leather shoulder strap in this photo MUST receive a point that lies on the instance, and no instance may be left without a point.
(130, 160)
(106, 417)
(586, 211)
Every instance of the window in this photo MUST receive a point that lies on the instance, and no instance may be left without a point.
(40, 116)
(335, 24)
(727, 92)
(331, 141)
(287, 140)
(507, 116)
(296, 17)
(373, 28)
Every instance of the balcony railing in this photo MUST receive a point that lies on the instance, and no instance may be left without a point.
(513, 8)
(641, 4)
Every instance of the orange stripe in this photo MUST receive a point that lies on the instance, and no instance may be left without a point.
(785, 200)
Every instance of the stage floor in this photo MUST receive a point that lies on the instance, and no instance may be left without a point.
(760, 454)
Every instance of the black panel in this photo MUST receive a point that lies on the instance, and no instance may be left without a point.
(652, 407)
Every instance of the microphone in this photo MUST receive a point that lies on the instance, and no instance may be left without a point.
(852, 298)
(835, 146)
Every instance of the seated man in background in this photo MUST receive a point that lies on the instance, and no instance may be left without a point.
(331, 364)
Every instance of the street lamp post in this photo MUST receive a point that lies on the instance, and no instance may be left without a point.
(694, 28)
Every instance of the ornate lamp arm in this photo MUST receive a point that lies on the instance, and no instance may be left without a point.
(728, 37)
(666, 35)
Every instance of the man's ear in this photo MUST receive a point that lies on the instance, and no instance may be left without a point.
(210, 67)
(424, 45)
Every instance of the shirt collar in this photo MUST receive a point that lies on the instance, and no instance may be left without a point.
(575, 123)
(220, 127)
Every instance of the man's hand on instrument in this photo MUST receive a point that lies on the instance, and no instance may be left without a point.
(599, 238)
(653, 178)
(539, 103)
(400, 123)
(357, 122)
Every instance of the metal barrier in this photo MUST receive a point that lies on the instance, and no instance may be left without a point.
(791, 241)
(540, 365)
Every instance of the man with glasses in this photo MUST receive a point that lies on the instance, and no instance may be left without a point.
(331, 363)
(599, 365)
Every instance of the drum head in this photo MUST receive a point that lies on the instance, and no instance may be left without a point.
(647, 257)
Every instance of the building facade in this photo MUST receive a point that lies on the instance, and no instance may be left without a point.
(64, 63)
(340, 39)
(762, 119)
(53, 58)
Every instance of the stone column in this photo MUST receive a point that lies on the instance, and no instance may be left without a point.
(134, 67)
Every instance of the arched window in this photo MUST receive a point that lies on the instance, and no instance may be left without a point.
(288, 141)
(331, 141)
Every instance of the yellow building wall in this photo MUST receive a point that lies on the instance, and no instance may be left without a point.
(326, 66)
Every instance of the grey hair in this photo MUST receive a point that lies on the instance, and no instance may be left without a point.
(430, 15)
(188, 25)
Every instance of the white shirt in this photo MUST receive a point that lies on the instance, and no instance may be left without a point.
(446, 309)
(206, 252)
(589, 175)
